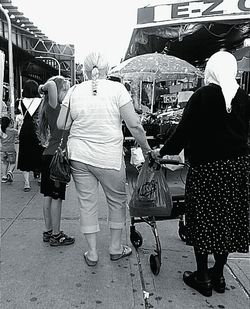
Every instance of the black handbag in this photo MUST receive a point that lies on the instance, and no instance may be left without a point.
(59, 165)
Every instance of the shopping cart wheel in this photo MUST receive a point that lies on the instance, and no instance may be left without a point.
(155, 264)
(135, 237)
(182, 230)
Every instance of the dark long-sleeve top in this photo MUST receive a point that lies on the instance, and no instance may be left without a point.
(206, 131)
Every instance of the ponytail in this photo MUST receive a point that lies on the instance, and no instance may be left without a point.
(96, 67)
(94, 74)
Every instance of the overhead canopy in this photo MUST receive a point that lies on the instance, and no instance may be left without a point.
(191, 30)
(37, 56)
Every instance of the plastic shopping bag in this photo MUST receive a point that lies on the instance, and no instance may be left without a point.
(137, 157)
(151, 196)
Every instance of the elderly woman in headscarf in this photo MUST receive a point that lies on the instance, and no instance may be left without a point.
(213, 131)
(95, 147)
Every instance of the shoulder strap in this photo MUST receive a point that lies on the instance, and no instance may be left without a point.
(67, 115)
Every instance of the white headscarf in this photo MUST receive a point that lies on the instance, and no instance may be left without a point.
(221, 69)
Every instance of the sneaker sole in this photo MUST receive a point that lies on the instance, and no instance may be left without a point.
(45, 240)
(61, 244)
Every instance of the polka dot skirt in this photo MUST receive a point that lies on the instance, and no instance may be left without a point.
(217, 206)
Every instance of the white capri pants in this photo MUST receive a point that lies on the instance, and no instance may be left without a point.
(113, 182)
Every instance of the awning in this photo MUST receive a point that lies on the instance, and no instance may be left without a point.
(192, 30)
(191, 42)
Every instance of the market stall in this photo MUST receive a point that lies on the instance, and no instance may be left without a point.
(191, 30)
(243, 58)
(160, 86)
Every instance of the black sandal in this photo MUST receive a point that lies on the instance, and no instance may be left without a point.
(203, 287)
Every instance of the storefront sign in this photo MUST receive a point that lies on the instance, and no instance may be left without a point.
(193, 10)
(169, 98)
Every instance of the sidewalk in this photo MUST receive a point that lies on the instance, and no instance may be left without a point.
(35, 275)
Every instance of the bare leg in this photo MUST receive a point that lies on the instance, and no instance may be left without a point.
(56, 209)
(115, 241)
(47, 212)
(12, 167)
(92, 246)
(5, 169)
(26, 176)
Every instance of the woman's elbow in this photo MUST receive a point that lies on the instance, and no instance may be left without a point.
(135, 123)
(135, 126)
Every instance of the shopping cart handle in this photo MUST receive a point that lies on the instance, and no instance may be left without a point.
(169, 161)
(157, 163)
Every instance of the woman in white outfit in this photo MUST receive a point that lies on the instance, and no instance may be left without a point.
(95, 147)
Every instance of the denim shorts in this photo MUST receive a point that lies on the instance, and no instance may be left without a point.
(8, 157)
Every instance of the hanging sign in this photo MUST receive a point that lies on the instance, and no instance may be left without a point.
(193, 10)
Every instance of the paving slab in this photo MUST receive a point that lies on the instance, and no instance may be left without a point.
(35, 275)
(167, 289)
(239, 267)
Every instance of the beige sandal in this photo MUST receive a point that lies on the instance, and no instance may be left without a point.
(88, 261)
(125, 252)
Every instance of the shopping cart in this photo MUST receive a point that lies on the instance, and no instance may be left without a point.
(150, 215)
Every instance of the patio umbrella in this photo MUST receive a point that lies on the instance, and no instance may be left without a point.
(242, 56)
(155, 67)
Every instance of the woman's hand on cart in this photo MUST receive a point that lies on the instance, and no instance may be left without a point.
(145, 152)
(155, 154)
(156, 160)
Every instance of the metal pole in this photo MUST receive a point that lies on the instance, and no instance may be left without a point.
(11, 73)
(2, 60)
(73, 71)
(153, 97)
(58, 63)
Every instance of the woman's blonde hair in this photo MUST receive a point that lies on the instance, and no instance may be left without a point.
(43, 125)
(95, 66)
